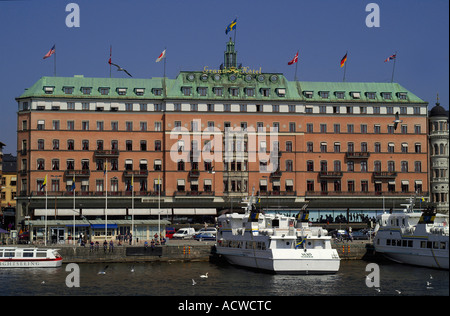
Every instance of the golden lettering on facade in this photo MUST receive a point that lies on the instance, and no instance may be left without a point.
(232, 70)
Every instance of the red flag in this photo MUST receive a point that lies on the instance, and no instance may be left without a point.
(110, 53)
(163, 54)
(293, 61)
(50, 52)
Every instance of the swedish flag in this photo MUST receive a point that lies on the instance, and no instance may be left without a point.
(231, 26)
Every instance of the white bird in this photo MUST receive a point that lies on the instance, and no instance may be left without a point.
(132, 268)
(193, 282)
(428, 283)
(396, 121)
(121, 69)
(398, 291)
(103, 271)
(43, 282)
(204, 276)
(431, 277)
(378, 290)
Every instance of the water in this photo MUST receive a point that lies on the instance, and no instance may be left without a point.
(175, 279)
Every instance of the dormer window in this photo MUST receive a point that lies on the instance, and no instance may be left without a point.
(68, 90)
(386, 95)
(86, 90)
(157, 91)
(121, 91)
(308, 94)
(324, 94)
(340, 94)
(401, 95)
(104, 91)
(139, 91)
(371, 95)
(355, 95)
(281, 92)
(49, 90)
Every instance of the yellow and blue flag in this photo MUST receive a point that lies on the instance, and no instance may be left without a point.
(44, 183)
(73, 184)
(231, 26)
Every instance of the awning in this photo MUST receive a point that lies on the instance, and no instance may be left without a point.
(405, 182)
(194, 182)
(391, 182)
(102, 226)
(289, 182)
(418, 181)
(208, 182)
(157, 162)
(276, 183)
(263, 182)
(180, 181)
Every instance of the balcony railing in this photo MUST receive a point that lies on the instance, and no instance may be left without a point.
(330, 174)
(194, 173)
(276, 174)
(114, 153)
(96, 193)
(135, 173)
(357, 155)
(384, 175)
(77, 173)
(194, 193)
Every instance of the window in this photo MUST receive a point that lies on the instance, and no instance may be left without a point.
(417, 129)
(351, 186)
(322, 109)
(289, 146)
(404, 166)
(157, 145)
(363, 166)
(40, 164)
(56, 125)
(234, 92)
(227, 107)
(336, 109)
(323, 147)
(177, 106)
(310, 185)
(128, 145)
(70, 144)
(210, 107)
(364, 147)
(292, 127)
(250, 92)
(377, 166)
(129, 126)
(275, 108)
(391, 147)
(377, 129)
(417, 166)
(309, 165)
(99, 144)
(337, 165)
(376, 110)
(156, 91)
(158, 107)
(363, 129)
(391, 166)
(364, 186)
(377, 147)
(340, 94)
(100, 126)
(180, 165)
(85, 144)
(86, 90)
(371, 95)
(309, 127)
(265, 92)
(350, 166)
(289, 165)
(218, 91)
(350, 147)
(309, 147)
(417, 148)
(291, 108)
(323, 128)
(202, 91)
(350, 128)
(337, 128)
(404, 129)
(104, 91)
(386, 95)
(391, 129)
(194, 107)
(143, 126)
(55, 144)
(40, 144)
(143, 145)
(337, 147)
(324, 94)
(186, 91)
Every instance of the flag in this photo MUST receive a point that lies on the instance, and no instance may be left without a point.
(73, 184)
(163, 54)
(110, 53)
(50, 52)
(132, 182)
(106, 167)
(390, 58)
(293, 61)
(44, 183)
(231, 26)
(343, 60)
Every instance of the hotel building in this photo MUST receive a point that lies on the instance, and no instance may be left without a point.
(164, 144)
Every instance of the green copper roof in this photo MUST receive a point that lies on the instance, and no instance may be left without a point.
(209, 80)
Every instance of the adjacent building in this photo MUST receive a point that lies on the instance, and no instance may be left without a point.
(203, 142)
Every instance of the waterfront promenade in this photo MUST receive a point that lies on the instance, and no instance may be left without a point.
(179, 250)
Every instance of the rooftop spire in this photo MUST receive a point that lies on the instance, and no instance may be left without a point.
(230, 56)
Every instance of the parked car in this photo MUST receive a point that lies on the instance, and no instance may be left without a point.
(208, 230)
(360, 235)
(24, 238)
(184, 233)
(205, 236)
(169, 232)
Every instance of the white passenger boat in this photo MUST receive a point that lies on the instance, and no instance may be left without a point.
(12, 257)
(417, 238)
(276, 243)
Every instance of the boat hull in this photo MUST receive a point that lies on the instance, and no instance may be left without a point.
(429, 259)
(36, 263)
(286, 262)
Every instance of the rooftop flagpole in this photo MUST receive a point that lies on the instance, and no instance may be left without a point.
(393, 67)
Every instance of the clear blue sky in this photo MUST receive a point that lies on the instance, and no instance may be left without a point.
(269, 33)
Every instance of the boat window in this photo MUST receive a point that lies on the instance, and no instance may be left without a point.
(429, 243)
(28, 254)
(1, 254)
(410, 243)
(436, 244)
(388, 242)
(41, 254)
(442, 244)
(10, 254)
(423, 244)
(275, 223)
(404, 243)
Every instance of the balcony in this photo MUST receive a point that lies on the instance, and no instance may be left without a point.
(384, 175)
(276, 174)
(106, 153)
(194, 173)
(77, 173)
(330, 174)
(193, 193)
(263, 194)
(357, 155)
(135, 173)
